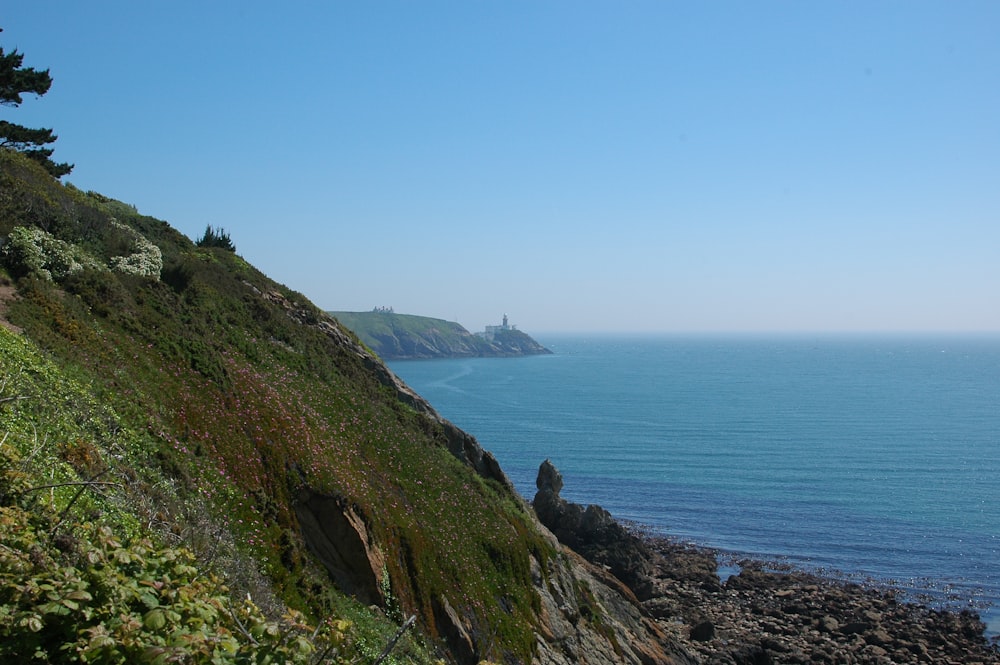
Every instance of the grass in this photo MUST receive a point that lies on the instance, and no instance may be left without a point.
(394, 335)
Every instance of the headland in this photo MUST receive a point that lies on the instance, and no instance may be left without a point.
(409, 337)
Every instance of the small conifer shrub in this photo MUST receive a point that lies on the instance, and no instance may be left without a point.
(216, 238)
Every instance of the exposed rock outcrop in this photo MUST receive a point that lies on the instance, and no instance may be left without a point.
(455, 629)
(593, 533)
(614, 596)
(587, 615)
(760, 616)
(338, 535)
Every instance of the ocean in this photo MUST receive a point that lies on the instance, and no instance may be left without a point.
(872, 458)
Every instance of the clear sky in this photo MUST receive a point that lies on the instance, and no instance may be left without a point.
(581, 166)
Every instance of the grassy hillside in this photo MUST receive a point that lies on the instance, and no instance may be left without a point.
(168, 398)
(393, 335)
(402, 336)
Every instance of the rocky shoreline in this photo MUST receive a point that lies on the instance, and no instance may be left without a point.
(760, 615)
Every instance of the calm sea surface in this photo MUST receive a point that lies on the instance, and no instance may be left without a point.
(871, 457)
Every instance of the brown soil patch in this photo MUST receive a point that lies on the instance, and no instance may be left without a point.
(7, 293)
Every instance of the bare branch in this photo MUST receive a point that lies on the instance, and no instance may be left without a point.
(392, 643)
(242, 628)
(85, 483)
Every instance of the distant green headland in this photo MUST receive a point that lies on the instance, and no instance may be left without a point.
(406, 336)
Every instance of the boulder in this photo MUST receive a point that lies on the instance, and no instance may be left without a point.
(703, 632)
(827, 624)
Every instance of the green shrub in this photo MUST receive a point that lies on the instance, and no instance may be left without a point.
(144, 258)
(102, 292)
(29, 195)
(32, 251)
(81, 563)
(80, 595)
(216, 238)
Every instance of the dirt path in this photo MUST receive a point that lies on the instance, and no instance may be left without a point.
(7, 293)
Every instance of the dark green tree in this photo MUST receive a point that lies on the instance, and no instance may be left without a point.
(216, 238)
(15, 81)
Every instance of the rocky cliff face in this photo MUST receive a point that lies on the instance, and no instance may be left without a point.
(515, 343)
(431, 343)
(585, 613)
(592, 532)
(758, 617)
(611, 596)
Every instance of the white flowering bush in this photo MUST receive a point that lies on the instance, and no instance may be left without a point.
(30, 250)
(146, 260)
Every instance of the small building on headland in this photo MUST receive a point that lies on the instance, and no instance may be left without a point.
(491, 331)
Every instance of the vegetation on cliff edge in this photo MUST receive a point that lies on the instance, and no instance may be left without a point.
(209, 397)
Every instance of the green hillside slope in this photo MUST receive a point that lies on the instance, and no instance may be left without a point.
(406, 336)
(231, 412)
(197, 465)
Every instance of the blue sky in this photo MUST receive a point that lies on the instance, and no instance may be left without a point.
(582, 166)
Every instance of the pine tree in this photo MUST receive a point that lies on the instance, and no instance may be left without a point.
(15, 81)
(216, 238)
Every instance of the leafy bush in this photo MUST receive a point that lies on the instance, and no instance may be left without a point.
(81, 561)
(32, 251)
(29, 196)
(72, 588)
(102, 292)
(80, 595)
(144, 258)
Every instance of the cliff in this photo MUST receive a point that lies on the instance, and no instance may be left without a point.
(406, 336)
(198, 464)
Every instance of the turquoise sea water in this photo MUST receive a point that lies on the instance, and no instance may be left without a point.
(872, 457)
